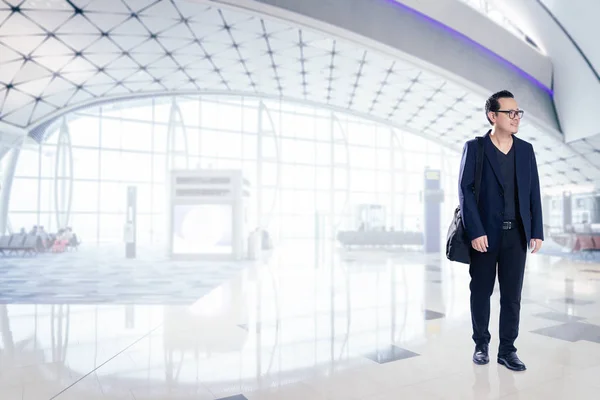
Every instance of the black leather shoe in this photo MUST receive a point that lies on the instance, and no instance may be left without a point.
(512, 362)
(481, 355)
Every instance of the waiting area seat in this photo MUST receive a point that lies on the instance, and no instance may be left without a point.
(19, 243)
(589, 242)
(4, 243)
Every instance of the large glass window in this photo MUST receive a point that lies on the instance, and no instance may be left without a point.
(313, 161)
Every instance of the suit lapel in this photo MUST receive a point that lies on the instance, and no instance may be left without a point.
(490, 153)
(520, 158)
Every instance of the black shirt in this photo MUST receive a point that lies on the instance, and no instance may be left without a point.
(507, 166)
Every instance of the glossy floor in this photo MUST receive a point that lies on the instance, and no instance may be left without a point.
(342, 326)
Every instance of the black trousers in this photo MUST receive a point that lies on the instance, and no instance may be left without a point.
(510, 258)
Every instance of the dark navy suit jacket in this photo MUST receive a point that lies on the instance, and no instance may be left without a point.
(487, 218)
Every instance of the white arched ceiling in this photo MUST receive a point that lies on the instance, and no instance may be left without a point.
(59, 55)
(404, 29)
(580, 21)
(568, 31)
(460, 16)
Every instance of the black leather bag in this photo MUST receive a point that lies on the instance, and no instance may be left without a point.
(458, 245)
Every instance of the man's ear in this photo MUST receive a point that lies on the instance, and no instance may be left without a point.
(492, 116)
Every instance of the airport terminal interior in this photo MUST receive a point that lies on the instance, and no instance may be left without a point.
(251, 199)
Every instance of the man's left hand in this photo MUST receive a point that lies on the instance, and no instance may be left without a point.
(535, 245)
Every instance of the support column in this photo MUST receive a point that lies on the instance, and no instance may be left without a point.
(332, 179)
(567, 213)
(131, 223)
(259, 165)
(9, 173)
(432, 199)
(63, 176)
(392, 218)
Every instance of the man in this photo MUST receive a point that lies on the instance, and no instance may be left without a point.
(507, 217)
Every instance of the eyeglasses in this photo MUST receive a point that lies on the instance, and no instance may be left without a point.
(512, 114)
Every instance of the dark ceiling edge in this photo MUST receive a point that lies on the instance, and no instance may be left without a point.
(562, 28)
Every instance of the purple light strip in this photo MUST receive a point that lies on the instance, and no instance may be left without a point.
(462, 36)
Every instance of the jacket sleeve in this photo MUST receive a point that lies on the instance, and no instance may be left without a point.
(466, 193)
(537, 224)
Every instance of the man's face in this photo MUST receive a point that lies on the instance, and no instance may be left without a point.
(502, 119)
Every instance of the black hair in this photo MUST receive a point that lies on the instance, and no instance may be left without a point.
(493, 105)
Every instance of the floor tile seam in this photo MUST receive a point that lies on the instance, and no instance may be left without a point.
(412, 385)
(419, 382)
(112, 358)
(534, 386)
(573, 375)
(107, 361)
(549, 307)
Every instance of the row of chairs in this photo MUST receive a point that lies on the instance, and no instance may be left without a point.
(585, 242)
(19, 243)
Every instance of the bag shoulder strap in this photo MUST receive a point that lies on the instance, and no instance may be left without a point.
(478, 167)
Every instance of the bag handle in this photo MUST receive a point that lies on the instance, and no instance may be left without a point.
(478, 168)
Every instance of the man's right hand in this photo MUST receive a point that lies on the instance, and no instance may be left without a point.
(480, 244)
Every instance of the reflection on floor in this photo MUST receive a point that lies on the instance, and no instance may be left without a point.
(103, 275)
(350, 326)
